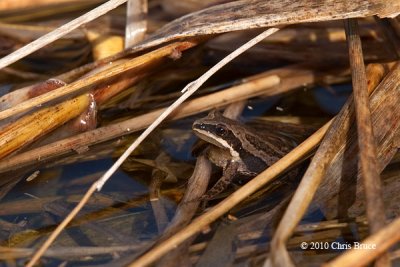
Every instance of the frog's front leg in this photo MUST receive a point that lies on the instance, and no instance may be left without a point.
(229, 173)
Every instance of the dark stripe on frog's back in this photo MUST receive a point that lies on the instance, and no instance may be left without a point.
(279, 144)
(268, 148)
(253, 162)
(259, 150)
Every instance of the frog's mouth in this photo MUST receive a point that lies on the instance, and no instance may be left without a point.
(215, 140)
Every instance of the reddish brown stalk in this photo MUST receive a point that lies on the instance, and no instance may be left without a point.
(15, 97)
(366, 140)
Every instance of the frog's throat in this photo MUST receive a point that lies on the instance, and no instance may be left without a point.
(217, 141)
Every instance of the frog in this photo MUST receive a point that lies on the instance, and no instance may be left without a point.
(239, 150)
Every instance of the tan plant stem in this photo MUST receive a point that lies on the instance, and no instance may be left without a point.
(197, 186)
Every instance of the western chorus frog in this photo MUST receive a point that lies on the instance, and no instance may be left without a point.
(239, 149)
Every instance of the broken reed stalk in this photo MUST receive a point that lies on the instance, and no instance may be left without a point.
(101, 76)
(187, 92)
(266, 84)
(30, 127)
(383, 240)
(36, 205)
(366, 140)
(186, 210)
(59, 32)
(311, 180)
(197, 186)
(136, 22)
(159, 212)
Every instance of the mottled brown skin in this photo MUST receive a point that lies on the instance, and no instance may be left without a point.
(239, 149)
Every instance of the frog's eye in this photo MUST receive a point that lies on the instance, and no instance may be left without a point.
(221, 131)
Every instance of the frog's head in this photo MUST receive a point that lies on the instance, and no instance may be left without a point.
(219, 131)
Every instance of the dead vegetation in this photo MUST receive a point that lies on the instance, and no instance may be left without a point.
(81, 81)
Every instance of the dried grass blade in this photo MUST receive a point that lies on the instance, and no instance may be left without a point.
(247, 14)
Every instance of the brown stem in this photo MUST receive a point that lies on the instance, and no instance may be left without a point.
(366, 141)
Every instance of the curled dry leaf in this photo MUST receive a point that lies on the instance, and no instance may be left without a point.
(248, 14)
